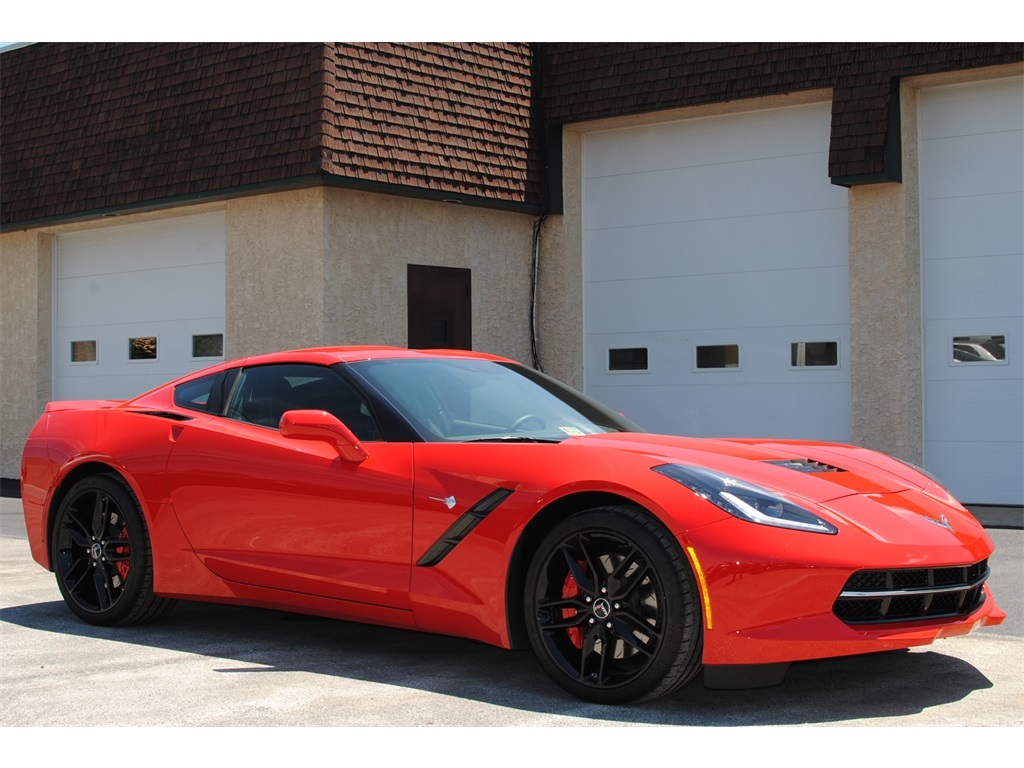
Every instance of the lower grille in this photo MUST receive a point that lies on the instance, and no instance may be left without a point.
(912, 594)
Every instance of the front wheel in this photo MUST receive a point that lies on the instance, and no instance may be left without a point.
(101, 554)
(612, 608)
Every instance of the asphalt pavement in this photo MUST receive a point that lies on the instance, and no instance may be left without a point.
(209, 665)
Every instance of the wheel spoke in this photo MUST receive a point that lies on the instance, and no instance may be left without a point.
(570, 622)
(78, 531)
(589, 656)
(116, 550)
(77, 573)
(629, 584)
(585, 582)
(592, 562)
(628, 635)
(104, 589)
(99, 515)
(617, 580)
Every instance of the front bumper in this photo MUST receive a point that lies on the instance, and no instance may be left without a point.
(774, 608)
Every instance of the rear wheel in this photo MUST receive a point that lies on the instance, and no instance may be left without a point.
(101, 554)
(612, 608)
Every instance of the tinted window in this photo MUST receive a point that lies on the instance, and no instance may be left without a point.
(264, 394)
(206, 394)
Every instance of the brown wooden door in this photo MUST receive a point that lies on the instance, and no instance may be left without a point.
(440, 310)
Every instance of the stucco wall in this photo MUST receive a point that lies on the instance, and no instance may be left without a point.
(274, 269)
(885, 305)
(370, 239)
(25, 328)
(328, 266)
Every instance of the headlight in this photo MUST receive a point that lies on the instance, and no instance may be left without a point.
(745, 501)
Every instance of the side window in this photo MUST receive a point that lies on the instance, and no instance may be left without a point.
(206, 394)
(264, 393)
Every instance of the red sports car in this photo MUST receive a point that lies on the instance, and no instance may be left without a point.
(465, 494)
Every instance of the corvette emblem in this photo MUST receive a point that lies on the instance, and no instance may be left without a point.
(942, 522)
(448, 502)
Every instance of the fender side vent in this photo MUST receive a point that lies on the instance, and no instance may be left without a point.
(461, 528)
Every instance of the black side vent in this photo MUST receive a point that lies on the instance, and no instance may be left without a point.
(165, 415)
(460, 529)
(806, 465)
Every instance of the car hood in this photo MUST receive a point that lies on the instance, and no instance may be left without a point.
(854, 487)
(819, 472)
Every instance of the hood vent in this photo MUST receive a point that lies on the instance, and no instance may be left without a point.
(805, 465)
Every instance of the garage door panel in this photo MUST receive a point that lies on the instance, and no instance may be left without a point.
(749, 300)
(981, 472)
(984, 225)
(958, 170)
(981, 418)
(797, 412)
(975, 109)
(774, 133)
(799, 240)
(987, 285)
(104, 299)
(732, 190)
(133, 246)
(765, 355)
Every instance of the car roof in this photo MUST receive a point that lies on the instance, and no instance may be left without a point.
(352, 354)
(316, 356)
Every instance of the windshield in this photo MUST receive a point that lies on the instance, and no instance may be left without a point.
(465, 400)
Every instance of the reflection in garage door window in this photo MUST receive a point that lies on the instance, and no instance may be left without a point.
(83, 351)
(816, 354)
(979, 349)
(142, 348)
(208, 345)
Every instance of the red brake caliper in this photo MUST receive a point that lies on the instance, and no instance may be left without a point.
(122, 565)
(571, 589)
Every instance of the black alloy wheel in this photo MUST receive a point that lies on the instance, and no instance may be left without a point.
(101, 554)
(612, 608)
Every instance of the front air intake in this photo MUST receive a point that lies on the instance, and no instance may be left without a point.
(912, 594)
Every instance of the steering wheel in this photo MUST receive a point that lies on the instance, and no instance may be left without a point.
(518, 423)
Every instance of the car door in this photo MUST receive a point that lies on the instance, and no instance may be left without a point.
(264, 509)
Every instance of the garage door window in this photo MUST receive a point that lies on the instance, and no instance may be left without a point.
(989, 349)
(718, 356)
(83, 351)
(142, 348)
(207, 345)
(627, 359)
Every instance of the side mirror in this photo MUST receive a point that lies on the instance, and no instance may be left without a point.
(320, 425)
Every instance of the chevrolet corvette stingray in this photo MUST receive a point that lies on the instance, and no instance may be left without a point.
(465, 494)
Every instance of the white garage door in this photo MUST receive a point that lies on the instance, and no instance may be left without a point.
(717, 279)
(972, 218)
(137, 305)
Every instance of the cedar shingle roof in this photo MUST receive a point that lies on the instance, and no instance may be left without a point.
(584, 81)
(85, 128)
(91, 127)
(453, 118)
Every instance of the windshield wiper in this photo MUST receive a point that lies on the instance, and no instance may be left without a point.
(512, 439)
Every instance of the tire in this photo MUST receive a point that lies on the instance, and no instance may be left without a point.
(101, 554)
(612, 609)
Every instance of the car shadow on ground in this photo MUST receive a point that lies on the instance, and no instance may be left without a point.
(833, 691)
